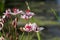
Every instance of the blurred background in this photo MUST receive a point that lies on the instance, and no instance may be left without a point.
(47, 14)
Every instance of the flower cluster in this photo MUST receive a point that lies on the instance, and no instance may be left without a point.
(15, 11)
(24, 15)
(32, 27)
(27, 15)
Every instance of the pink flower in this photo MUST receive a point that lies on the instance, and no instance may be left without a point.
(7, 13)
(28, 13)
(17, 11)
(24, 17)
(32, 27)
(27, 27)
(9, 10)
(35, 28)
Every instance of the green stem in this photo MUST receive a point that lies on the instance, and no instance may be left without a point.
(31, 36)
(15, 34)
(54, 13)
(9, 29)
(22, 36)
(0, 33)
(38, 35)
(27, 5)
(27, 36)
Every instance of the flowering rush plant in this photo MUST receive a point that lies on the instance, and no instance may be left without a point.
(15, 11)
(29, 27)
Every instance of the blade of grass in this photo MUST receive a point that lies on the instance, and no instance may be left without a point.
(22, 36)
(28, 36)
(31, 36)
(55, 13)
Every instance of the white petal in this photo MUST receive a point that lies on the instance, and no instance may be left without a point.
(34, 24)
(26, 25)
(23, 16)
(0, 19)
(30, 24)
(20, 11)
(26, 17)
(0, 28)
(26, 29)
(13, 13)
(2, 38)
(32, 13)
(30, 17)
(3, 16)
(41, 28)
(2, 25)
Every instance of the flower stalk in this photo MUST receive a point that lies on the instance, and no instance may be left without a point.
(38, 35)
(22, 36)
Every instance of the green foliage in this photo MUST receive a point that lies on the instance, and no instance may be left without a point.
(2, 5)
